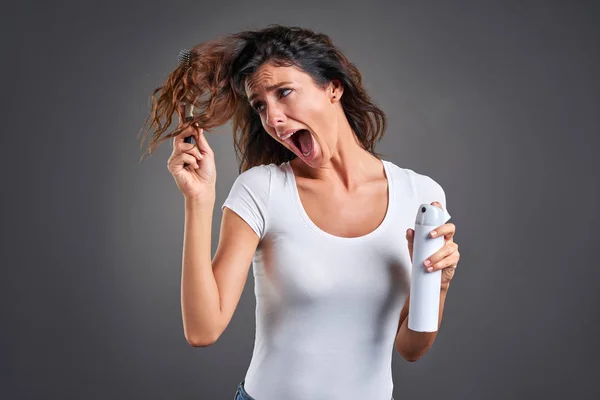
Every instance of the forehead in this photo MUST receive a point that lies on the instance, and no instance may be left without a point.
(269, 74)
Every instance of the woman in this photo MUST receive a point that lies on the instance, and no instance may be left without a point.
(318, 213)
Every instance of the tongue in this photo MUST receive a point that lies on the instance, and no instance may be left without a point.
(305, 141)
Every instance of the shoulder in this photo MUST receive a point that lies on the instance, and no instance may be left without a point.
(249, 197)
(255, 175)
(255, 180)
(420, 184)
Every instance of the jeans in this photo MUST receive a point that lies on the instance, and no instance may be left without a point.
(241, 394)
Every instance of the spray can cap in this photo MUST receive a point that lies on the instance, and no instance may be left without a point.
(429, 215)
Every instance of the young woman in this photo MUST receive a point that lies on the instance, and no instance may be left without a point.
(324, 220)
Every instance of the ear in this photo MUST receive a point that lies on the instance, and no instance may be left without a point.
(335, 90)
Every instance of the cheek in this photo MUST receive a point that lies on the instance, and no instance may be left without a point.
(266, 126)
(269, 129)
(314, 112)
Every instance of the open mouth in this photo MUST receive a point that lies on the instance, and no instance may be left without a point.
(302, 141)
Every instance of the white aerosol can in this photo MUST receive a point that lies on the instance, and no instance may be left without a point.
(424, 304)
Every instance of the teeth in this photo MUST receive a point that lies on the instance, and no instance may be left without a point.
(288, 136)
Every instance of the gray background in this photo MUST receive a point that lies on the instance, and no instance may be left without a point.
(497, 101)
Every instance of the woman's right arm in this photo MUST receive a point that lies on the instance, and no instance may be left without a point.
(200, 307)
(211, 290)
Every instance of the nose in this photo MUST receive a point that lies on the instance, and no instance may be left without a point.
(275, 116)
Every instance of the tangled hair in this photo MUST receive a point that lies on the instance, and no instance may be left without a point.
(214, 84)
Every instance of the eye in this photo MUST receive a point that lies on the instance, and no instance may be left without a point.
(258, 106)
(284, 90)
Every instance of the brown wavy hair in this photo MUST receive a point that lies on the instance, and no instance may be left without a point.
(214, 84)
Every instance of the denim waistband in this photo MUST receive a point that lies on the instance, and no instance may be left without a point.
(241, 394)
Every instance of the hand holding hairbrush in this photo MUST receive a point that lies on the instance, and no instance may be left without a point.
(192, 164)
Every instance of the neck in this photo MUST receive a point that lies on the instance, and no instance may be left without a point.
(346, 163)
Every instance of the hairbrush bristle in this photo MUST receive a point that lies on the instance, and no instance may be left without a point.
(185, 57)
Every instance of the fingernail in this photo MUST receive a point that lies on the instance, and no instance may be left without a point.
(433, 233)
(429, 269)
(427, 262)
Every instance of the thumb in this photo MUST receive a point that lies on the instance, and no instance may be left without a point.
(437, 204)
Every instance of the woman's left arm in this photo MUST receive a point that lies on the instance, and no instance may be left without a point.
(410, 344)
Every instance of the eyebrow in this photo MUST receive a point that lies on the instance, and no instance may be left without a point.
(269, 89)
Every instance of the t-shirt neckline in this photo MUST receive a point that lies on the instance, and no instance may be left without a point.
(319, 231)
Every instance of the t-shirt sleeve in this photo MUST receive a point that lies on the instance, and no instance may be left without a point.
(430, 191)
(249, 198)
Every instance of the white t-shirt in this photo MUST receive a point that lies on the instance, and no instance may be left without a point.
(327, 307)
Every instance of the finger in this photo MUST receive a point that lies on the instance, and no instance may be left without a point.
(410, 234)
(189, 132)
(179, 161)
(448, 262)
(190, 148)
(203, 143)
(446, 230)
(194, 151)
(439, 255)
(189, 159)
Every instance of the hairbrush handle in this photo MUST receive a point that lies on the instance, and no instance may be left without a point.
(188, 139)
(189, 115)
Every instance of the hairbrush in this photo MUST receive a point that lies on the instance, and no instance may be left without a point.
(185, 58)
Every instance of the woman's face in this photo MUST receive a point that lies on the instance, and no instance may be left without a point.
(287, 101)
